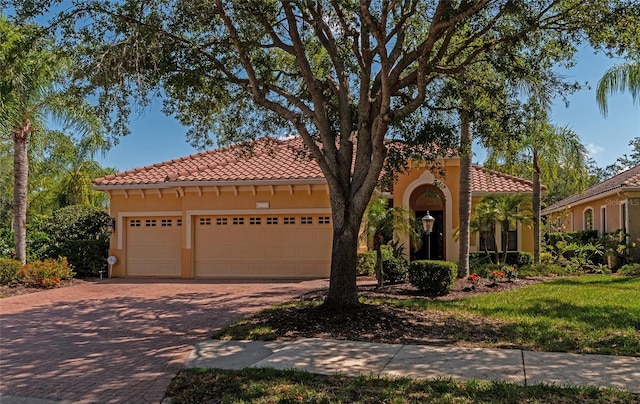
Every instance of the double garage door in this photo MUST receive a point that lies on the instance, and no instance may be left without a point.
(262, 246)
(273, 246)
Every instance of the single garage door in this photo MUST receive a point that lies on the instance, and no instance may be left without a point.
(278, 246)
(153, 246)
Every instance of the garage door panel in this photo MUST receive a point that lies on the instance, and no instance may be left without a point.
(154, 246)
(264, 246)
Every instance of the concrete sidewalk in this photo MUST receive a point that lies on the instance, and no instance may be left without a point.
(354, 358)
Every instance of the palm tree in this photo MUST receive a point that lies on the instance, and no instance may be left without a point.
(506, 211)
(545, 152)
(381, 223)
(31, 93)
(622, 77)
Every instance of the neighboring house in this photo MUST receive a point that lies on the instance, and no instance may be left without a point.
(220, 213)
(609, 206)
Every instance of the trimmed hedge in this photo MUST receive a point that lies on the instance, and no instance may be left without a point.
(9, 270)
(433, 277)
(395, 270)
(515, 258)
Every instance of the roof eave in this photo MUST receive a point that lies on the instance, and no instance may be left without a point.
(611, 192)
(190, 183)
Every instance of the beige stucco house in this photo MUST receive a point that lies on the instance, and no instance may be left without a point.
(221, 214)
(609, 206)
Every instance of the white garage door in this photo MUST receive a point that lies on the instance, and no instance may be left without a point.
(280, 246)
(154, 246)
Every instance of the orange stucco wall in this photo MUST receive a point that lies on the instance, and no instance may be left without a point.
(189, 201)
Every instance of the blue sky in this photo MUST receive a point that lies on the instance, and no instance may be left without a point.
(156, 137)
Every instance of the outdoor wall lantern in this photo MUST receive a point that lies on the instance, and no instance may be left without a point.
(427, 226)
(112, 225)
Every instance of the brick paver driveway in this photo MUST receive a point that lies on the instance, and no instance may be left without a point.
(117, 340)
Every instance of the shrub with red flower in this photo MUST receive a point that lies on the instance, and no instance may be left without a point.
(495, 276)
(473, 279)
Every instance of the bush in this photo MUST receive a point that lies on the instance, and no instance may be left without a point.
(47, 273)
(366, 263)
(543, 270)
(9, 270)
(579, 237)
(630, 270)
(395, 270)
(433, 277)
(516, 258)
(81, 234)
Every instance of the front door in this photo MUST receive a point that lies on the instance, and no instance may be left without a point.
(433, 244)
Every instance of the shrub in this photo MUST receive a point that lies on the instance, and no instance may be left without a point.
(395, 270)
(630, 270)
(515, 258)
(433, 277)
(366, 263)
(9, 270)
(7, 243)
(46, 274)
(81, 234)
(543, 270)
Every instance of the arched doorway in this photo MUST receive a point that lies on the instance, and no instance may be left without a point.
(428, 197)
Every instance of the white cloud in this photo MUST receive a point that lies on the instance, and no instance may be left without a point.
(593, 149)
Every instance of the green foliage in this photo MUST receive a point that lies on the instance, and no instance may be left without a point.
(395, 269)
(543, 270)
(433, 277)
(516, 258)
(630, 270)
(9, 270)
(45, 274)
(366, 263)
(7, 246)
(578, 237)
(81, 234)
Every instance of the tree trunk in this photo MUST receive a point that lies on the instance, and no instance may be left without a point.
(537, 198)
(464, 209)
(20, 186)
(343, 292)
(377, 245)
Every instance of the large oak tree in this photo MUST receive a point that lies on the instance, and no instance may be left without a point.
(342, 74)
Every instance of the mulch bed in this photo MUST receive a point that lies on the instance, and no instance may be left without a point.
(16, 289)
(389, 324)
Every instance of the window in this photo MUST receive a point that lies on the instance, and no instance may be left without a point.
(221, 221)
(588, 219)
(178, 222)
(513, 239)
(150, 222)
(166, 223)
(134, 223)
(324, 220)
(289, 220)
(205, 221)
(306, 220)
(272, 220)
(487, 241)
(623, 217)
(238, 220)
(254, 220)
(603, 219)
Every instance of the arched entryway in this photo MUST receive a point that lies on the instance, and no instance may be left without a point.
(428, 197)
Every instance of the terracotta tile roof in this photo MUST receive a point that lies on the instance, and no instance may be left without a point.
(486, 180)
(626, 179)
(267, 159)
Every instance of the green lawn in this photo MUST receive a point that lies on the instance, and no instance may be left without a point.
(274, 386)
(590, 314)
